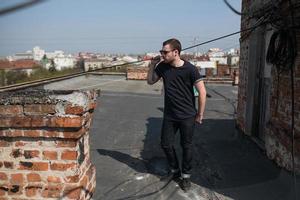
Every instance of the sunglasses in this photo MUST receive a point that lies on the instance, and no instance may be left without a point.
(165, 52)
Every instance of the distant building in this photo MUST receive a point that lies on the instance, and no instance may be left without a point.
(129, 59)
(27, 65)
(90, 64)
(62, 62)
(215, 54)
(52, 55)
(38, 53)
(233, 60)
(26, 55)
(206, 68)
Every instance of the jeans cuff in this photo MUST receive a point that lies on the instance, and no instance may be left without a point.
(185, 175)
(174, 170)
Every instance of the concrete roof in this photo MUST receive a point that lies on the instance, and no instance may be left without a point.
(130, 164)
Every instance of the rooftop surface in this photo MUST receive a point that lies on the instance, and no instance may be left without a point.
(125, 148)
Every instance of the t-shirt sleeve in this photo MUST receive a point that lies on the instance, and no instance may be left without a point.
(196, 75)
(158, 70)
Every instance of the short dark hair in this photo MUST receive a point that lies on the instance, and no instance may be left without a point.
(174, 43)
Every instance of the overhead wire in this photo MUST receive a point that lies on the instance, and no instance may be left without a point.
(19, 6)
(190, 47)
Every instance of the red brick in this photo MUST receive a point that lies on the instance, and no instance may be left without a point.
(4, 143)
(11, 110)
(2, 193)
(74, 134)
(17, 179)
(62, 166)
(35, 166)
(28, 154)
(15, 189)
(3, 176)
(16, 153)
(37, 121)
(49, 133)
(25, 121)
(52, 191)
(39, 109)
(84, 181)
(74, 110)
(14, 133)
(73, 193)
(9, 165)
(53, 179)
(32, 177)
(66, 143)
(50, 155)
(31, 191)
(72, 179)
(32, 133)
(19, 144)
(66, 122)
(69, 155)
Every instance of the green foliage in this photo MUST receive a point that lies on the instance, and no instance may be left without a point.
(16, 76)
(19, 76)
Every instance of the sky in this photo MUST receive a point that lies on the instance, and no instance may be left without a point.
(117, 26)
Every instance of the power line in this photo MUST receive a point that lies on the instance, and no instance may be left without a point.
(206, 42)
(19, 6)
(225, 36)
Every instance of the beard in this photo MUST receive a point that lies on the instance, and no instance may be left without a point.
(168, 61)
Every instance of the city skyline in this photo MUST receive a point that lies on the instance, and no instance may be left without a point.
(118, 27)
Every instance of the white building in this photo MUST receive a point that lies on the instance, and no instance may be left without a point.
(62, 62)
(221, 60)
(52, 55)
(25, 55)
(90, 64)
(233, 59)
(129, 59)
(38, 53)
(204, 65)
(217, 55)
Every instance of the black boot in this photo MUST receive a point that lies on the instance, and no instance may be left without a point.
(186, 184)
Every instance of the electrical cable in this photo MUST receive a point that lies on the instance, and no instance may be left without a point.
(190, 47)
(19, 6)
(233, 9)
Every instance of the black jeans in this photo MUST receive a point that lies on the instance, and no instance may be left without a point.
(186, 128)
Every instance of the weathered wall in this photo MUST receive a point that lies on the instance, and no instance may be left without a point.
(277, 127)
(137, 73)
(44, 145)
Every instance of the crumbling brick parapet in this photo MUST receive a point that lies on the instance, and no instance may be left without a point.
(44, 145)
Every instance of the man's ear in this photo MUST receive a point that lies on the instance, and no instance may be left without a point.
(177, 51)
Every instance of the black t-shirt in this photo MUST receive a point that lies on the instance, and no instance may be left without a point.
(178, 86)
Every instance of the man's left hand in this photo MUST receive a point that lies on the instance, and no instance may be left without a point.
(199, 118)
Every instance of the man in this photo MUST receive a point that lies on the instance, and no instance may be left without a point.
(179, 77)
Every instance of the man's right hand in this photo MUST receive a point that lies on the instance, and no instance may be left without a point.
(155, 60)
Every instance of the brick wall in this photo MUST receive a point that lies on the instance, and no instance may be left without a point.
(44, 145)
(277, 130)
(243, 68)
(140, 73)
(137, 73)
(223, 70)
(279, 135)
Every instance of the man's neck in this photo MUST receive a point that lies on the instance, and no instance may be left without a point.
(177, 63)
